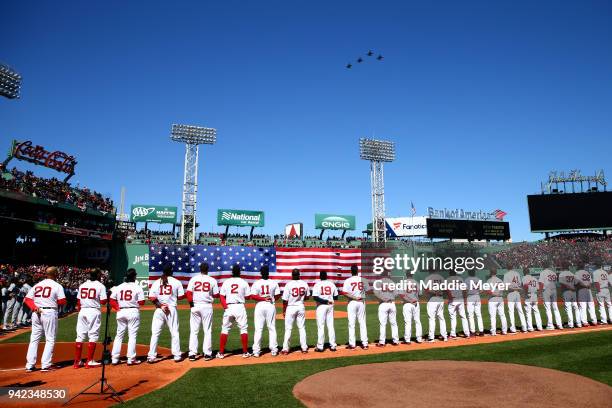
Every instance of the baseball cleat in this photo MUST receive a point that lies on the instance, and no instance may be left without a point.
(220, 355)
(550, 328)
(77, 364)
(30, 369)
(246, 355)
(431, 340)
(445, 339)
(48, 369)
(192, 357)
(92, 364)
(284, 352)
(351, 347)
(364, 346)
(530, 330)
(407, 342)
(133, 362)
(305, 351)
(396, 343)
(380, 344)
(208, 357)
(115, 362)
(332, 348)
(419, 340)
(318, 350)
(256, 355)
(274, 353)
(152, 360)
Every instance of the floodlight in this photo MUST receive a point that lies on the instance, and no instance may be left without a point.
(10, 82)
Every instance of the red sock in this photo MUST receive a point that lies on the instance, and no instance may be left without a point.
(78, 349)
(222, 343)
(244, 337)
(91, 349)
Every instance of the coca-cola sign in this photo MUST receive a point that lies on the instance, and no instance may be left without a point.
(57, 160)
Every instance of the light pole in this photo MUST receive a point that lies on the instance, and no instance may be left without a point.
(377, 152)
(193, 137)
(10, 82)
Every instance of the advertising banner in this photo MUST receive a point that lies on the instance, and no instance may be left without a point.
(294, 230)
(244, 218)
(138, 258)
(406, 226)
(153, 213)
(334, 222)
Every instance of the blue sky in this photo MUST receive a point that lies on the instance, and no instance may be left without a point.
(483, 99)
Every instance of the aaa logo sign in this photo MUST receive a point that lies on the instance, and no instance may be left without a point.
(153, 213)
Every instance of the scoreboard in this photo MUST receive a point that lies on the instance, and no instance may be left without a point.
(467, 229)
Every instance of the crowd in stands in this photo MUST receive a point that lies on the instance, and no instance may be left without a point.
(23, 277)
(559, 252)
(54, 190)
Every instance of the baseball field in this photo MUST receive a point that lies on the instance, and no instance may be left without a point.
(237, 382)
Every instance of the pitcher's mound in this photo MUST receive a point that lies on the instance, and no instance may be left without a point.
(450, 384)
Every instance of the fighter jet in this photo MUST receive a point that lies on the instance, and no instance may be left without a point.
(380, 57)
(359, 60)
(370, 53)
(349, 66)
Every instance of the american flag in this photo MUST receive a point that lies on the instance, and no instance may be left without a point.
(186, 260)
(412, 209)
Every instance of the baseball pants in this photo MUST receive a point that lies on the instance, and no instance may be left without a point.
(265, 314)
(17, 310)
(531, 305)
(551, 307)
(496, 307)
(474, 308)
(8, 311)
(571, 308)
(295, 313)
(586, 303)
(325, 317)
(235, 313)
(603, 299)
(514, 303)
(160, 319)
(88, 325)
(435, 310)
(458, 307)
(356, 312)
(201, 316)
(127, 319)
(43, 325)
(387, 312)
(24, 314)
(412, 311)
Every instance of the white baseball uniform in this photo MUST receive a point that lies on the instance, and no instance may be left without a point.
(235, 291)
(387, 312)
(513, 279)
(325, 290)
(548, 282)
(294, 293)
(496, 306)
(47, 295)
(602, 284)
(531, 286)
(90, 296)
(129, 297)
(456, 305)
(411, 310)
(11, 304)
(265, 313)
(474, 306)
(201, 290)
(566, 279)
(355, 289)
(435, 307)
(25, 312)
(169, 295)
(585, 296)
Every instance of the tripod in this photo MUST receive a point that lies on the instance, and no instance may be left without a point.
(105, 387)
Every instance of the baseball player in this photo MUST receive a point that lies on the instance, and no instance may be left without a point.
(234, 292)
(294, 294)
(90, 296)
(435, 306)
(387, 312)
(474, 307)
(548, 286)
(266, 292)
(43, 299)
(355, 289)
(165, 294)
(411, 310)
(513, 279)
(600, 278)
(325, 293)
(456, 304)
(532, 287)
(584, 297)
(201, 291)
(568, 290)
(19, 297)
(11, 303)
(25, 313)
(126, 299)
(496, 304)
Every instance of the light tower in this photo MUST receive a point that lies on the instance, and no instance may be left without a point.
(193, 137)
(10, 82)
(377, 152)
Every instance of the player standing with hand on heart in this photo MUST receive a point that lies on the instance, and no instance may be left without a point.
(234, 292)
(266, 292)
(165, 294)
(324, 293)
(355, 289)
(201, 291)
(126, 299)
(294, 294)
(90, 296)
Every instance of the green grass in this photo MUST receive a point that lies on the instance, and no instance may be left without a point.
(270, 385)
(67, 328)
